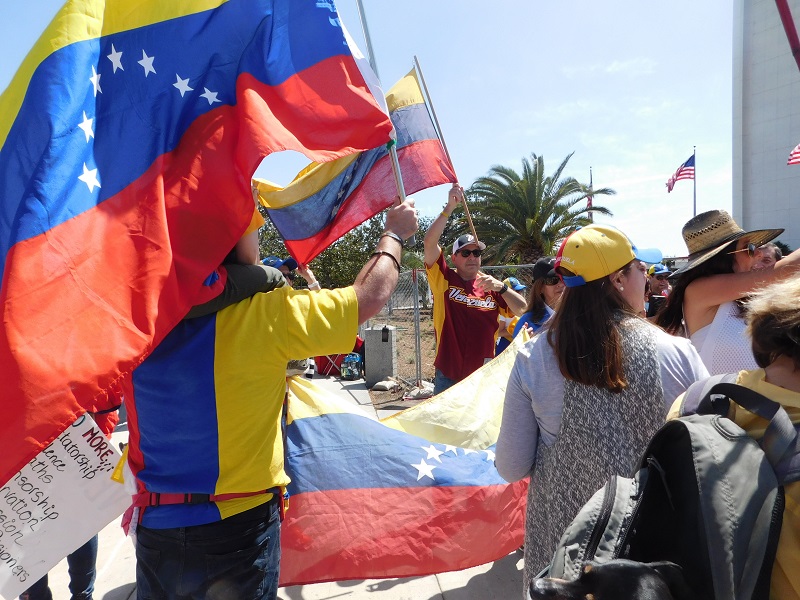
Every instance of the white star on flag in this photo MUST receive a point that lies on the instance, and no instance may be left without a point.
(210, 96)
(433, 453)
(147, 63)
(86, 125)
(115, 58)
(424, 470)
(182, 85)
(89, 177)
(489, 455)
(452, 449)
(95, 79)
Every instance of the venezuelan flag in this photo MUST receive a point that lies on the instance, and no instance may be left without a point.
(368, 501)
(324, 202)
(128, 138)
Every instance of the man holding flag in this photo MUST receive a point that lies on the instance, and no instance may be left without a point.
(205, 444)
(466, 302)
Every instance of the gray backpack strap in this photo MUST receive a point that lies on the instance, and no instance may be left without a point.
(780, 441)
(696, 399)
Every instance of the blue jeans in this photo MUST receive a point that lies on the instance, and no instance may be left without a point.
(441, 383)
(81, 564)
(238, 557)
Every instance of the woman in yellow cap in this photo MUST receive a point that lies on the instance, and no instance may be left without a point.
(583, 399)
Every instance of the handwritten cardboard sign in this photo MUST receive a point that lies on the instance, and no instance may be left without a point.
(56, 503)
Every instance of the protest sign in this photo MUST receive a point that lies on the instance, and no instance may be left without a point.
(56, 503)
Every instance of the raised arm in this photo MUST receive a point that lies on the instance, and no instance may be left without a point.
(431, 242)
(377, 280)
(704, 295)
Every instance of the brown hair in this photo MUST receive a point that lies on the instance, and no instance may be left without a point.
(584, 333)
(773, 322)
(670, 316)
(536, 301)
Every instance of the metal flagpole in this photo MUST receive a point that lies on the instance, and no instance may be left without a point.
(398, 177)
(694, 179)
(429, 103)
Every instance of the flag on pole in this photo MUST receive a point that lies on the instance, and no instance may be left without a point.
(324, 202)
(369, 501)
(794, 156)
(128, 138)
(685, 171)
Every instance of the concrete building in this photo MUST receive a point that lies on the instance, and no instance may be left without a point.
(766, 120)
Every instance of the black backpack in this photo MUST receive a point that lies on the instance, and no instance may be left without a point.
(705, 496)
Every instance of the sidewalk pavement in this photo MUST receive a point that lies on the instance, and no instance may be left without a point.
(116, 560)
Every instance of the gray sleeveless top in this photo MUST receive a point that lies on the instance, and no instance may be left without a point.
(602, 434)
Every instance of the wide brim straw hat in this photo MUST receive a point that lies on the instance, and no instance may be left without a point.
(709, 233)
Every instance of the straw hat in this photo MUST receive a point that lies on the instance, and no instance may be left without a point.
(709, 233)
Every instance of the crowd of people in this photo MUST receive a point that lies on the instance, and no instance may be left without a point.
(616, 338)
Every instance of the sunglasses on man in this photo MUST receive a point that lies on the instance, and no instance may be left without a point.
(476, 252)
(750, 249)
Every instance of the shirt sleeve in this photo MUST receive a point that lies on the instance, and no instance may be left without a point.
(515, 454)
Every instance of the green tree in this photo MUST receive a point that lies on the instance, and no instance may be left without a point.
(338, 265)
(521, 217)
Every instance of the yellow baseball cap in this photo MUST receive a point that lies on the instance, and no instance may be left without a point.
(595, 251)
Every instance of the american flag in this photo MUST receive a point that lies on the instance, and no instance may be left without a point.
(685, 171)
(794, 156)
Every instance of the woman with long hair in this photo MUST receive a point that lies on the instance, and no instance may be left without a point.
(546, 290)
(583, 400)
(706, 302)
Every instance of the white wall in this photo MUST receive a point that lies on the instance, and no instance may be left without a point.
(766, 120)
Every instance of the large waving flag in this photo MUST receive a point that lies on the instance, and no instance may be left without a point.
(373, 501)
(128, 138)
(326, 201)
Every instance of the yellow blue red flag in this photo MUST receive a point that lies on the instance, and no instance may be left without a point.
(414, 494)
(128, 138)
(324, 202)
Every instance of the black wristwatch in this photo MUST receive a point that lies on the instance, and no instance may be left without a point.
(504, 289)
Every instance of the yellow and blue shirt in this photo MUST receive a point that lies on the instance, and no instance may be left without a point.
(205, 406)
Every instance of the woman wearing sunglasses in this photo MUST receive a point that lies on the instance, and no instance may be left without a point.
(546, 290)
(706, 303)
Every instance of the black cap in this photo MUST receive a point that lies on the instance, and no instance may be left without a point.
(544, 267)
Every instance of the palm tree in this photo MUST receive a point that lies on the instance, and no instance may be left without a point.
(522, 217)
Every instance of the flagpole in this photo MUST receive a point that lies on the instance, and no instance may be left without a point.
(429, 103)
(694, 155)
(398, 177)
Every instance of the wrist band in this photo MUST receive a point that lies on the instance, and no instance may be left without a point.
(393, 235)
(504, 289)
(445, 214)
(390, 255)
(314, 286)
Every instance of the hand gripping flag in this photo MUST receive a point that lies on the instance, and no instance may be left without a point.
(326, 201)
(685, 171)
(128, 138)
(414, 494)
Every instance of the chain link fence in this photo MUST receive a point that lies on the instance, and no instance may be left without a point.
(410, 312)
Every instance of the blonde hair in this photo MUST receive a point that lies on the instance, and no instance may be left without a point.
(773, 321)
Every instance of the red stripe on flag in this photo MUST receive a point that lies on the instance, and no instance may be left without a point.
(423, 164)
(83, 303)
(399, 532)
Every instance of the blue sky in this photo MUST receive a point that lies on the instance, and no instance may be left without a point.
(629, 86)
